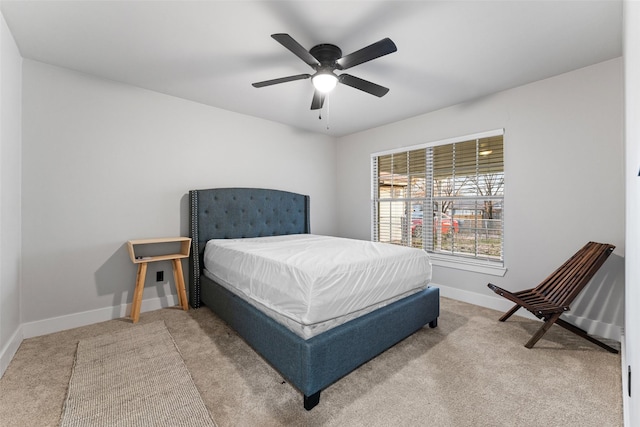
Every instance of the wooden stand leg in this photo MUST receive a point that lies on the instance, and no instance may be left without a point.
(137, 294)
(178, 277)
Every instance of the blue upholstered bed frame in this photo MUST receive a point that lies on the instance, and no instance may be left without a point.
(309, 365)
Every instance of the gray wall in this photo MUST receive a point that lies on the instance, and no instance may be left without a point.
(10, 218)
(105, 162)
(564, 182)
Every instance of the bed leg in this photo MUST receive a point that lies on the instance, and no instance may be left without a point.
(311, 401)
(433, 323)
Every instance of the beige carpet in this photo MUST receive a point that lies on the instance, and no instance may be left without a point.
(470, 371)
(134, 377)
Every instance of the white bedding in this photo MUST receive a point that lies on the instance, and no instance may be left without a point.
(310, 282)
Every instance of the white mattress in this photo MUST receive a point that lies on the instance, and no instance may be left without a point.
(309, 282)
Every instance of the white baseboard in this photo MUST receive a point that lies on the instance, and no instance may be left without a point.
(61, 323)
(56, 324)
(593, 327)
(10, 349)
(487, 301)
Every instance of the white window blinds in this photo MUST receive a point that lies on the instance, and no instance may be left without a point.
(445, 197)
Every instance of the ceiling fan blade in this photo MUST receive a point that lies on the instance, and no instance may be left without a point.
(281, 80)
(287, 41)
(363, 85)
(318, 100)
(373, 51)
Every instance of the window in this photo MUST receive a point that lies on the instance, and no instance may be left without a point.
(445, 197)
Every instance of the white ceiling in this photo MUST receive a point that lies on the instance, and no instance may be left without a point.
(211, 51)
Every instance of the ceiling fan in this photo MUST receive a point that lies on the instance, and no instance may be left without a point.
(325, 59)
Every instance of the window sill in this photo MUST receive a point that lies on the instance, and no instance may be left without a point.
(484, 267)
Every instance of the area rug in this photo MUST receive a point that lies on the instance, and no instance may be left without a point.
(134, 377)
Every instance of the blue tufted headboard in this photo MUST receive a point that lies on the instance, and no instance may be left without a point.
(227, 213)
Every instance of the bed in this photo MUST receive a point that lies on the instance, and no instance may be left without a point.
(309, 363)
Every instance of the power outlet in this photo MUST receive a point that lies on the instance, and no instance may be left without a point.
(160, 276)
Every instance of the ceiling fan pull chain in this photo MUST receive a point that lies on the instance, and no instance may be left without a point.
(327, 115)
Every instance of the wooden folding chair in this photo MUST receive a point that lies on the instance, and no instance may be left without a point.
(553, 296)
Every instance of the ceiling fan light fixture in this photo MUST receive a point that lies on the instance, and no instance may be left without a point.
(324, 81)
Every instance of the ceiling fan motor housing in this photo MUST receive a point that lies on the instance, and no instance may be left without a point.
(326, 54)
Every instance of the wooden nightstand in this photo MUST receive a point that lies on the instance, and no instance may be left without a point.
(142, 261)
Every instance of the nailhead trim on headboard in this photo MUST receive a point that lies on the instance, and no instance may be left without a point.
(194, 288)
